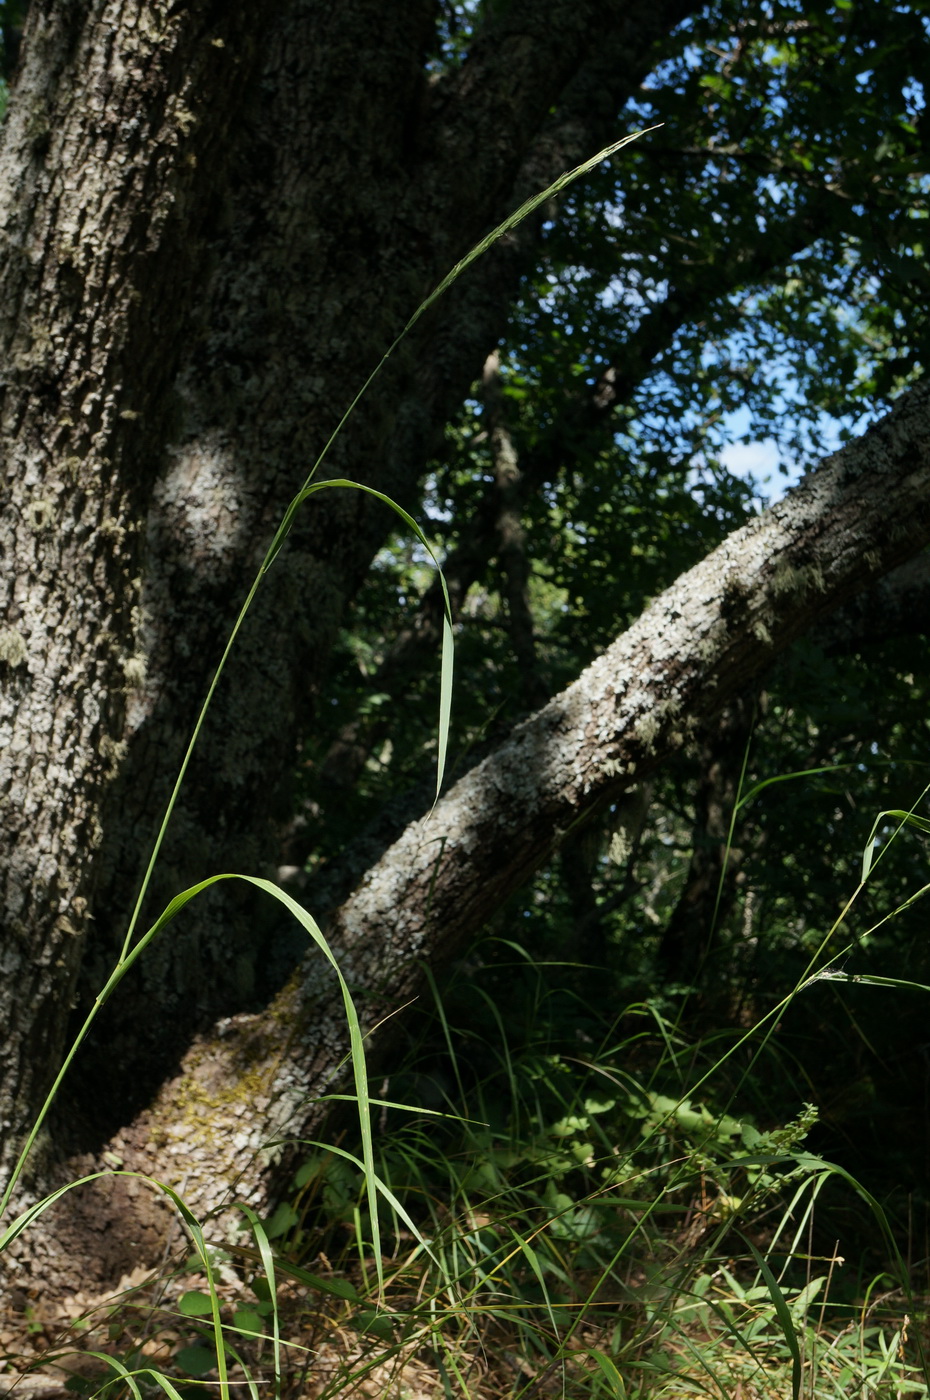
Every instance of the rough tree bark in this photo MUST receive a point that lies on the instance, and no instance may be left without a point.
(213, 220)
(257, 1079)
(107, 176)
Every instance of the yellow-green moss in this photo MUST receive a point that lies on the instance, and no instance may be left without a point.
(13, 647)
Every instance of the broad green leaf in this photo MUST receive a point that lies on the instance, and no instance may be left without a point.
(195, 1304)
(375, 1324)
(196, 1361)
(248, 1321)
(284, 1218)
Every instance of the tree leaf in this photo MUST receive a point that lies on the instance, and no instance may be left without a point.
(196, 1361)
(195, 1304)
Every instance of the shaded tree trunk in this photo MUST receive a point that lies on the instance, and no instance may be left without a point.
(107, 178)
(691, 934)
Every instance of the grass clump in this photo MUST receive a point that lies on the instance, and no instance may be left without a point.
(579, 1230)
(576, 1218)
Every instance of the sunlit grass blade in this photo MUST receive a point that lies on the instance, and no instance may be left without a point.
(448, 649)
(128, 1377)
(902, 819)
(608, 1370)
(268, 1266)
(532, 1258)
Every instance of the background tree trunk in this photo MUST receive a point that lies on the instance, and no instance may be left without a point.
(690, 937)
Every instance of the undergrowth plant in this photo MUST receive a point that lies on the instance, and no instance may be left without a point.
(605, 1209)
(591, 1232)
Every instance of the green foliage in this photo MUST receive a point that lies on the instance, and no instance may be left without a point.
(12, 17)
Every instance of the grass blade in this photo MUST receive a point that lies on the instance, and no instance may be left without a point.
(783, 1313)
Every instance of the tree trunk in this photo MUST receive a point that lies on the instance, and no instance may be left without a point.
(692, 933)
(257, 1079)
(108, 171)
(214, 220)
